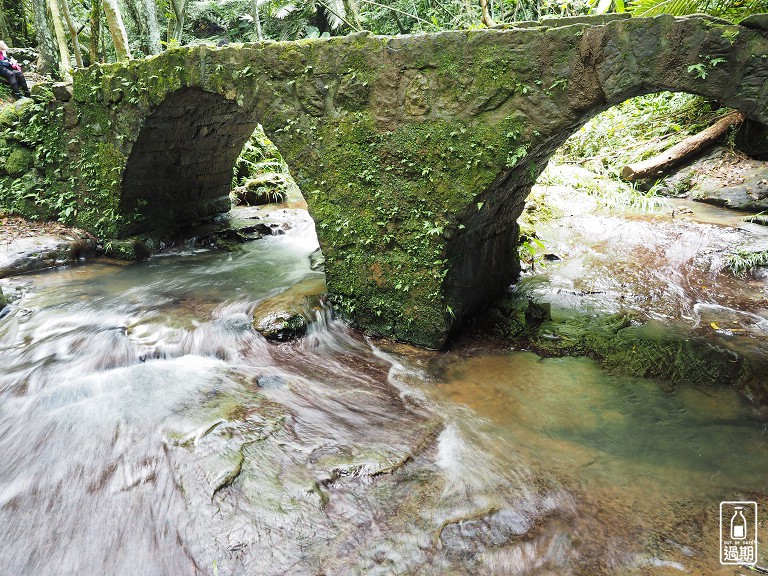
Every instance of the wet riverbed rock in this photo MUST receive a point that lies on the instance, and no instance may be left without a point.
(40, 252)
(287, 315)
(282, 326)
(723, 178)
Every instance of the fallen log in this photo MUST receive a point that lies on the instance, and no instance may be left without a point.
(661, 163)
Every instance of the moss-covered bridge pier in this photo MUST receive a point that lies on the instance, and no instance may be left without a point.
(415, 154)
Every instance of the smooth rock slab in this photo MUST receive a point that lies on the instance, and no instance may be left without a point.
(41, 252)
(726, 179)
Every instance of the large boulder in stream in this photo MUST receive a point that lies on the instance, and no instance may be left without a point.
(39, 252)
(286, 316)
(723, 178)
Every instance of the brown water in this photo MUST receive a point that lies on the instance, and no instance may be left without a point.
(646, 461)
(145, 428)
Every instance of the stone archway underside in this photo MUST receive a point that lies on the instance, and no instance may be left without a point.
(415, 153)
(180, 170)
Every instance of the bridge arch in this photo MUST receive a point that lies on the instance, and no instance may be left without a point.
(180, 167)
(415, 154)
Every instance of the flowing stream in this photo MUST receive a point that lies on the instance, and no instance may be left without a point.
(146, 428)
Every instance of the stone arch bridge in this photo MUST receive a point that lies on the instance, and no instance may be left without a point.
(415, 154)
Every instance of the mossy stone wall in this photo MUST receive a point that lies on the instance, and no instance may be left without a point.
(415, 153)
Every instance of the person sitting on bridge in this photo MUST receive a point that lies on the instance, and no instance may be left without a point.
(11, 71)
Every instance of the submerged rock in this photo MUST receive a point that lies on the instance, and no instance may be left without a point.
(626, 343)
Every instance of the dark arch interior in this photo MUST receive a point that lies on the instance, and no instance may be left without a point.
(180, 167)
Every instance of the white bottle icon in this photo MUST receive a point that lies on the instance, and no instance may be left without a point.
(738, 525)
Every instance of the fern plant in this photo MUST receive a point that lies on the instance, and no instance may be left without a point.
(728, 9)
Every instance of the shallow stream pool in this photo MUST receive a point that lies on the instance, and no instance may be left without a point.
(146, 428)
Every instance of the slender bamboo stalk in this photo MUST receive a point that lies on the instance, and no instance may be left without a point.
(61, 40)
(116, 29)
(72, 33)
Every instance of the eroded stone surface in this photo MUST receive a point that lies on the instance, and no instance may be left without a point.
(40, 252)
(723, 178)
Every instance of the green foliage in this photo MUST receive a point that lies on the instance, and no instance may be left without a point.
(742, 262)
(609, 194)
(232, 20)
(529, 252)
(33, 146)
(698, 70)
(259, 156)
(216, 20)
(728, 9)
(636, 130)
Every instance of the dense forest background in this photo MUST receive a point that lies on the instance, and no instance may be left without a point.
(73, 33)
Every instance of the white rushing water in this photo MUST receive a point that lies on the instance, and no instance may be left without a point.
(146, 428)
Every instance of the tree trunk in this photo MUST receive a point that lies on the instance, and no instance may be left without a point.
(116, 29)
(72, 33)
(487, 20)
(142, 12)
(93, 46)
(153, 28)
(660, 164)
(257, 19)
(178, 12)
(61, 41)
(45, 43)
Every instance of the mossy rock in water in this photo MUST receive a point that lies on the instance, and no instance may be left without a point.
(638, 351)
(625, 343)
(514, 317)
(128, 249)
(286, 316)
(267, 188)
(282, 326)
(650, 349)
(3, 301)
